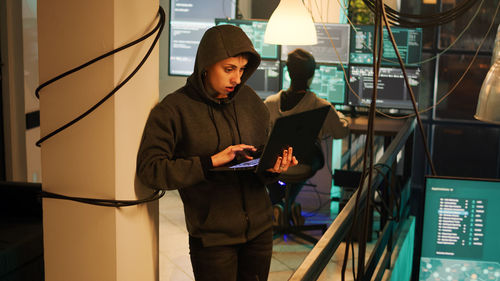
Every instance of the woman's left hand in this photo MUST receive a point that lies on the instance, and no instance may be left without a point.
(284, 162)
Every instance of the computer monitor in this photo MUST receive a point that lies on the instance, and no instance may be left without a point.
(266, 79)
(328, 82)
(461, 229)
(392, 92)
(255, 30)
(408, 40)
(323, 51)
(189, 19)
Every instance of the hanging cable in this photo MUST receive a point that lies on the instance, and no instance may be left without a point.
(410, 90)
(378, 8)
(459, 36)
(424, 61)
(441, 53)
(368, 156)
(380, 14)
(157, 194)
(452, 89)
(377, 54)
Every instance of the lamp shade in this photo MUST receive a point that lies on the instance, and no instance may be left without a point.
(488, 105)
(290, 24)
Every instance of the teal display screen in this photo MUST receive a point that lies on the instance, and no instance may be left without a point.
(332, 46)
(408, 41)
(461, 230)
(328, 83)
(255, 30)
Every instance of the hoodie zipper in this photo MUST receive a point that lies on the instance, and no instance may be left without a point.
(241, 183)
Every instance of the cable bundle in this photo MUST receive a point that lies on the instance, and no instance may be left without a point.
(97, 201)
(157, 29)
(157, 194)
(381, 19)
(412, 20)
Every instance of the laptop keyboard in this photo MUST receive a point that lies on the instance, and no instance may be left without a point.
(249, 163)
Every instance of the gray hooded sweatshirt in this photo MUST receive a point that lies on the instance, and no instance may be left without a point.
(189, 126)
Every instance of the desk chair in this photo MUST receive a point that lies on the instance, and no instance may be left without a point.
(295, 176)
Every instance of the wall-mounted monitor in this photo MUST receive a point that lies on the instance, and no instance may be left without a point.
(391, 90)
(328, 82)
(189, 19)
(266, 79)
(461, 229)
(323, 51)
(408, 40)
(255, 30)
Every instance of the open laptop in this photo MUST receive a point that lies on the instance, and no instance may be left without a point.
(298, 131)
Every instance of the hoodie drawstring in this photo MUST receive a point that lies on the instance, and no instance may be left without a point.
(236, 121)
(224, 114)
(212, 117)
(233, 140)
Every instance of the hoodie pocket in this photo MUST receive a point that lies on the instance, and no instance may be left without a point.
(225, 212)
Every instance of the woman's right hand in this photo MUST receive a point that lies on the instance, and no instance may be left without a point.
(228, 154)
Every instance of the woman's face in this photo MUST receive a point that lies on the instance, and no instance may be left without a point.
(223, 76)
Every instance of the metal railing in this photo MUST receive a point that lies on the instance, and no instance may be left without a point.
(318, 258)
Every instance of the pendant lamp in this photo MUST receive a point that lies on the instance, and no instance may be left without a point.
(290, 24)
(488, 105)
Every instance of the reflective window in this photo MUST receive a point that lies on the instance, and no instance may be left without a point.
(426, 90)
(422, 8)
(466, 151)
(479, 17)
(461, 103)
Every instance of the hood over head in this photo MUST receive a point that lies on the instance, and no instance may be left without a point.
(219, 43)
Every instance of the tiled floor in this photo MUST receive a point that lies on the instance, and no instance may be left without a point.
(288, 252)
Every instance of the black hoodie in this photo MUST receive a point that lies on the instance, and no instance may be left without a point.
(189, 126)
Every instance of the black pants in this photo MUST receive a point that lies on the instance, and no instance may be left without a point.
(240, 262)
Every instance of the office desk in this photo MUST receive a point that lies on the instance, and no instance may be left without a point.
(383, 126)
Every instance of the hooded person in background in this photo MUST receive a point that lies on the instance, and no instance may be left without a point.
(301, 66)
(211, 121)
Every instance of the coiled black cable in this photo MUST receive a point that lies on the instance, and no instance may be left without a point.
(157, 194)
(158, 27)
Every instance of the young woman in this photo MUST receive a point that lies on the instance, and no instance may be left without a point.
(211, 121)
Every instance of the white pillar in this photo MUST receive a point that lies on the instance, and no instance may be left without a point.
(96, 156)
